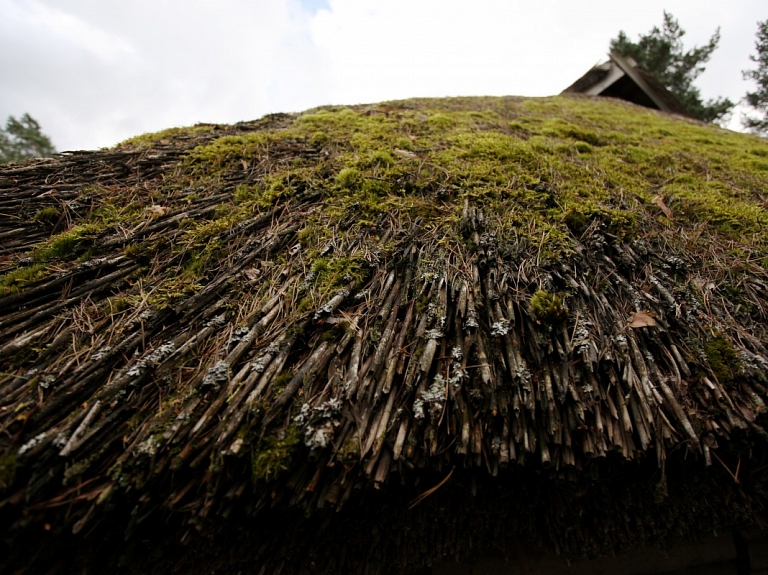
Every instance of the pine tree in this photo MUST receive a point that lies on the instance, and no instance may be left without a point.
(661, 53)
(759, 98)
(23, 139)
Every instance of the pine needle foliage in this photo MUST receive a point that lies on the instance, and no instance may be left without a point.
(758, 100)
(661, 52)
(23, 139)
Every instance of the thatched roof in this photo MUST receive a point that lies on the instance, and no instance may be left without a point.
(620, 77)
(367, 339)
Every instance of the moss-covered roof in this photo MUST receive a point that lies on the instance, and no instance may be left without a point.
(449, 323)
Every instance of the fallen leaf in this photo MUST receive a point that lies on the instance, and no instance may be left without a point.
(659, 201)
(405, 153)
(252, 274)
(641, 319)
(157, 211)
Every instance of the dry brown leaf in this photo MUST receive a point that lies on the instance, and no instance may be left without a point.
(641, 319)
(659, 201)
(252, 274)
(157, 211)
(405, 153)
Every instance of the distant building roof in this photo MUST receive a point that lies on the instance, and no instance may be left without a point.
(622, 78)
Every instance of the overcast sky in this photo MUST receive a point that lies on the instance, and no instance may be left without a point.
(95, 72)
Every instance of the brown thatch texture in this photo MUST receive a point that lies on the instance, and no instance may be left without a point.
(275, 317)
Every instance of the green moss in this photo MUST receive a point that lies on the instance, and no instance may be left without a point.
(544, 171)
(313, 235)
(380, 159)
(48, 216)
(117, 304)
(145, 141)
(244, 193)
(320, 266)
(274, 454)
(225, 152)
(319, 139)
(66, 244)
(175, 289)
(349, 178)
(144, 253)
(305, 304)
(334, 273)
(14, 280)
(576, 221)
(548, 308)
(7, 471)
(585, 136)
(722, 358)
(333, 334)
(350, 451)
(441, 121)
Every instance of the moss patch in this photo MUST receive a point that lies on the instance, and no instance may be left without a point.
(66, 244)
(14, 280)
(148, 140)
(722, 358)
(549, 308)
(274, 454)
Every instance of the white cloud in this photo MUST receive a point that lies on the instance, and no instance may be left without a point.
(95, 72)
(189, 61)
(72, 30)
(399, 48)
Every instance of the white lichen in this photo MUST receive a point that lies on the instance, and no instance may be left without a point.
(500, 328)
(418, 409)
(330, 408)
(271, 349)
(239, 334)
(149, 446)
(303, 417)
(162, 353)
(362, 294)
(216, 376)
(319, 437)
(620, 341)
(258, 365)
(138, 369)
(319, 423)
(60, 440)
(433, 399)
(46, 380)
(458, 375)
(101, 353)
(218, 321)
(753, 365)
(308, 279)
(32, 443)
(523, 377)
